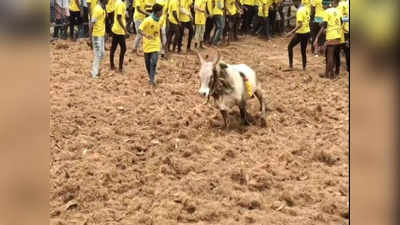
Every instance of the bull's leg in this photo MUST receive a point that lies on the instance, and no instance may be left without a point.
(225, 117)
(259, 96)
(243, 113)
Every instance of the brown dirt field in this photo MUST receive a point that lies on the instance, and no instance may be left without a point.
(124, 154)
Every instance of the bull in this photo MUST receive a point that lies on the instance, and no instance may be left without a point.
(226, 84)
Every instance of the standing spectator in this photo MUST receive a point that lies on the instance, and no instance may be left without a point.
(75, 16)
(151, 32)
(119, 32)
(233, 8)
(185, 17)
(209, 21)
(200, 21)
(173, 26)
(250, 10)
(332, 26)
(59, 28)
(218, 13)
(96, 34)
(139, 16)
(302, 31)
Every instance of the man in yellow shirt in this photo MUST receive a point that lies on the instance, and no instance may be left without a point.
(119, 31)
(150, 29)
(96, 34)
(210, 21)
(74, 16)
(332, 26)
(344, 8)
(200, 21)
(173, 33)
(139, 16)
(263, 26)
(317, 18)
(233, 13)
(250, 10)
(185, 18)
(218, 12)
(302, 31)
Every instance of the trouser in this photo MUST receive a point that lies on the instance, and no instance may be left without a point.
(58, 28)
(129, 23)
(98, 49)
(199, 35)
(187, 25)
(139, 37)
(248, 18)
(347, 51)
(173, 35)
(303, 40)
(330, 60)
(272, 20)
(151, 60)
(209, 26)
(85, 23)
(118, 40)
(233, 23)
(219, 24)
(75, 20)
(263, 26)
(315, 27)
(281, 23)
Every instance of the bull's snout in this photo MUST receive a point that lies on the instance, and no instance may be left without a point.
(203, 92)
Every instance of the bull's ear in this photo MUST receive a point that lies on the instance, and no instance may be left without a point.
(223, 66)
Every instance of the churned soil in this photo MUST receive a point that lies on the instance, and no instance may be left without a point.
(123, 153)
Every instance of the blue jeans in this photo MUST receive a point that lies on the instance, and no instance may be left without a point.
(219, 24)
(151, 59)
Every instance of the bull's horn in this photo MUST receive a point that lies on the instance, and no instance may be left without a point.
(217, 59)
(200, 57)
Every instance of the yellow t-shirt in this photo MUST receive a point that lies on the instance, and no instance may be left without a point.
(200, 17)
(231, 7)
(99, 27)
(333, 29)
(209, 7)
(73, 6)
(120, 9)
(93, 4)
(152, 28)
(303, 15)
(185, 4)
(319, 11)
(249, 2)
(173, 7)
(263, 8)
(111, 6)
(138, 15)
(149, 4)
(219, 7)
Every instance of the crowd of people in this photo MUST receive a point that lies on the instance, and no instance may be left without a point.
(159, 26)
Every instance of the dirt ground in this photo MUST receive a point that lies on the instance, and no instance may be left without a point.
(123, 154)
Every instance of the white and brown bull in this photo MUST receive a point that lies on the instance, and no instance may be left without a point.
(226, 84)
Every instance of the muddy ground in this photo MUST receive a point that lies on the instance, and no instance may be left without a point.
(122, 153)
